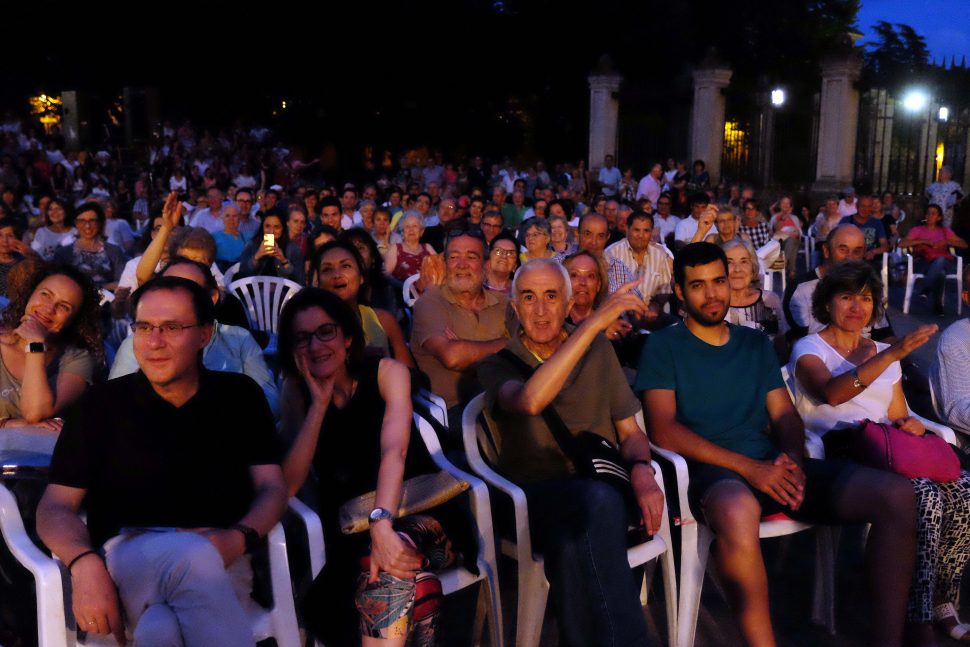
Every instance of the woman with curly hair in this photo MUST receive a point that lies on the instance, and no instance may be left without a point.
(50, 343)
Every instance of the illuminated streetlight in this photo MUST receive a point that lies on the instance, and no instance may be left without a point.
(915, 100)
(777, 97)
(944, 113)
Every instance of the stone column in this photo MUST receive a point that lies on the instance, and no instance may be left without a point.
(604, 113)
(707, 118)
(838, 123)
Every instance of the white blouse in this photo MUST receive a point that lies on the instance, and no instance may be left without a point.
(872, 403)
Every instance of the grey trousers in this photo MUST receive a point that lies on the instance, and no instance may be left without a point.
(176, 592)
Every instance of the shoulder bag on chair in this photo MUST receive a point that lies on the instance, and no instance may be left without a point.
(592, 455)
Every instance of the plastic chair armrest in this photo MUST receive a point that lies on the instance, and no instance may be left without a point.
(314, 533)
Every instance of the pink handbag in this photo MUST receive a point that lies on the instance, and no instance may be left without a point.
(886, 447)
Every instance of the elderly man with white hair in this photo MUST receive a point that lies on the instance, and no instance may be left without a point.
(579, 523)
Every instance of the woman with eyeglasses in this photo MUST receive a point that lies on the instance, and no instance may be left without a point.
(536, 234)
(349, 417)
(49, 238)
(501, 264)
(50, 343)
(101, 261)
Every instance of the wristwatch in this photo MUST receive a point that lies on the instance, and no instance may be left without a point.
(856, 382)
(250, 536)
(36, 347)
(379, 514)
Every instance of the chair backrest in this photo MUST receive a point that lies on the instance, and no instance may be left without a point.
(480, 446)
(410, 294)
(264, 298)
(229, 273)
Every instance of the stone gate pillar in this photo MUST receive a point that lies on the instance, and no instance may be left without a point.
(707, 117)
(604, 113)
(838, 123)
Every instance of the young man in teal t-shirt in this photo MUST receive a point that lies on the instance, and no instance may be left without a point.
(712, 391)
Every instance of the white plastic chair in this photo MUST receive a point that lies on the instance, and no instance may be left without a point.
(533, 588)
(409, 292)
(455, 578)
(911, 277)
(696, 539)
(778, 267)
(229, 273)
(809, 247)
(435, 404)
(264, 298)
(55, 622)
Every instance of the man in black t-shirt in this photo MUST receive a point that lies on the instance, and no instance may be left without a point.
(178, 469)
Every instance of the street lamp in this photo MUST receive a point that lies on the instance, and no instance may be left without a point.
(777, 97)
(915, 100)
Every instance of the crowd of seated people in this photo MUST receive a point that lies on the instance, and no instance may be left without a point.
(575, 274)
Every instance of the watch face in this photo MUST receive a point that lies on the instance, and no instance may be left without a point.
(379, 513)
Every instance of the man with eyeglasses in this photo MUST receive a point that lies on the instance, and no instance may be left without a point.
(458, 323)
(178, 470)
(231, 348)
(248, 223)
(492, 225)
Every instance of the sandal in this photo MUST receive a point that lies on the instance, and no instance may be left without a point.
(947, 611)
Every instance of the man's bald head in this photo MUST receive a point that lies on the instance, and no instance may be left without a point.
(845, 242)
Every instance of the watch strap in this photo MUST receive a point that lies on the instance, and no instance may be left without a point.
(36, 347)
(250, 536)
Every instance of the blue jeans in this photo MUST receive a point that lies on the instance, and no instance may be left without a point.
(579, 525)
(175, 591)
(934, 275)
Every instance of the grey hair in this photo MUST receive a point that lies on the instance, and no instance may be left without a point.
(412, 214)
(538, 262)
(752, 254)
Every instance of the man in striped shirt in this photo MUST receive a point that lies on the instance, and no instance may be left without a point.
(649, 263)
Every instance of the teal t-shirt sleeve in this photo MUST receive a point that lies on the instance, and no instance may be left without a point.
(656, 370)
(769, 366)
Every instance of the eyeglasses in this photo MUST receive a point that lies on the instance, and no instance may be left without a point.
(326, 332)
(167, 329)
(504, 253)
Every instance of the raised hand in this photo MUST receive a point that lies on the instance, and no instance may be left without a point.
(912, 341)
(172, 211)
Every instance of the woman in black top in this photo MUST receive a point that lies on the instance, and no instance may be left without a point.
(350, 420)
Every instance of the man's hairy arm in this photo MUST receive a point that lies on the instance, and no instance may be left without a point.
(459, 354)
(94, 599)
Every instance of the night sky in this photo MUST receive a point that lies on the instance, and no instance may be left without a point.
(945, 24)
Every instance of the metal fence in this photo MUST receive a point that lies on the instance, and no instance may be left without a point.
(901, 145)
